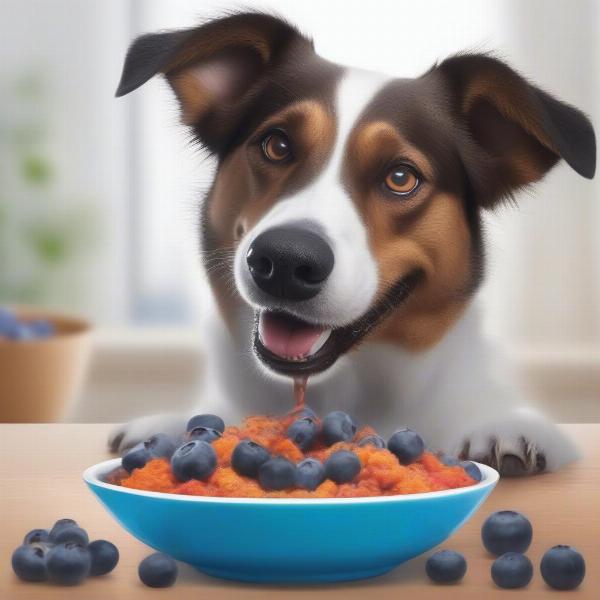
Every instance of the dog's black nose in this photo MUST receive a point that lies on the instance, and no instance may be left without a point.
(290, 262)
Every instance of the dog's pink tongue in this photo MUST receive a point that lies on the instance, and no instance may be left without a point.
(287, 338)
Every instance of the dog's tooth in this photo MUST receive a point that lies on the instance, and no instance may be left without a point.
(319, 342)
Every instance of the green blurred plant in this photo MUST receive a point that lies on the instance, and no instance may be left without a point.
(45, 234)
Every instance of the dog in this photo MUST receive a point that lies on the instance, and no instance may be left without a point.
(342, 234)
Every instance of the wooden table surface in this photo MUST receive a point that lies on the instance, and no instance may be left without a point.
(40, 481)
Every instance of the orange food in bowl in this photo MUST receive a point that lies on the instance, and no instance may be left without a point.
(381, 473)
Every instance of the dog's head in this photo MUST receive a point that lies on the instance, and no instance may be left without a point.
(351, 200)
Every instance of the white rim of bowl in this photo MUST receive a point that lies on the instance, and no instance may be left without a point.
(92, 477)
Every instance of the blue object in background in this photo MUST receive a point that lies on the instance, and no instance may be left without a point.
(290, 540)
(21, 332)
(42, 328)
(8, 322)
(13, 328)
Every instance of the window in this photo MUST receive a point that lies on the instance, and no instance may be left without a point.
(129, 161)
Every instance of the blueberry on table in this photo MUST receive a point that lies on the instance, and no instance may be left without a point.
(104, 556)
(29, 563)
(277, 473)
(338, 427)
(158, 570)
(210, 421)
(446, 566)
(247, 458)
(61, 524)
(205, 434)
(471, 469)
(342, 466)
(68, 564)
(194, 460)
(506, 531)
(73, 534)
(160, 445)
(562, 567)
(512, 570)
(136, 457)
(36, 536)
(407, 445)
(310, 474)
(373, 440)
(303, 433)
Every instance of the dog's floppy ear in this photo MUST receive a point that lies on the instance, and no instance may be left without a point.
(212, 68)
(516, 131)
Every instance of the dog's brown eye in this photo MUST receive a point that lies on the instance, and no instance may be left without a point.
(402, 180)
(276, 147)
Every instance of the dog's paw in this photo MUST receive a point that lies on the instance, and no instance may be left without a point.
(510, 460)
(522, 443)
(129, 434)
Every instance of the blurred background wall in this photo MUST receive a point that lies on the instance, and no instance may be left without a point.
(99, 197)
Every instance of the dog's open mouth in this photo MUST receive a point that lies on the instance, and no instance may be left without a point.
(290, 338)
(291, 346)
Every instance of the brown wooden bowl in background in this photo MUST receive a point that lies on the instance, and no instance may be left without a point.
(40, 378)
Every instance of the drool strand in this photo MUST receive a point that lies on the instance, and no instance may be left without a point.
(299, 392)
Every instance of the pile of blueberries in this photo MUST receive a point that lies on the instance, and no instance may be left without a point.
(13, 328)
(507, 534)
(64, 555)
(195, 458)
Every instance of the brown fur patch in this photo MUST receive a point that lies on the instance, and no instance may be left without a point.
(428, 232)
(513, 101)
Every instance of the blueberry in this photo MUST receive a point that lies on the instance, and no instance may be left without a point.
(373, 440)
(29, 563)
(104, 555)
(407, 445)
(73, 534)
(36, 536)
(562, 567)
(506, 531)
(303, 433)
(42, 328)
(471, 469)
(194, 460)
(160, 445)
(338, 427)
(449, 461)
(205, 434)
(310, 474)
(61, 524)
(342, 466)
(446, 566)
(512, 570)
(305, 411)
(158, 570)
(136, 457)
(210, 421)
(247, 458)
(68, 564)
(277, 473)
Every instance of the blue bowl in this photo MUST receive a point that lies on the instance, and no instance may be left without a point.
(290, 540)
